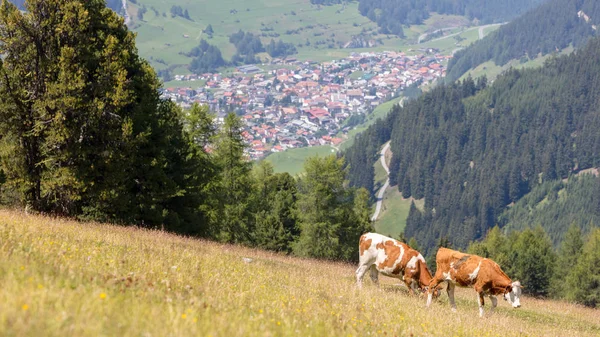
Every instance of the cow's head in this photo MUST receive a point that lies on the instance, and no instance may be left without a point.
(435, 292)
(513, 294)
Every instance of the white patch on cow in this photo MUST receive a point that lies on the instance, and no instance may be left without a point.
(514, 297)
(473, 275)
(447, 276)
(412, 264)
(452, 265)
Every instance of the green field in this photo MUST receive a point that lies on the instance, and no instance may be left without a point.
(163, 37)
(292, 161)
(64, 278)
(164, 40)
(394, 212)
(380, 176)
(491, 70)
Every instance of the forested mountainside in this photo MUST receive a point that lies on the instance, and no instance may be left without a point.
(390, 15)
(556, 205)
(471, 150)
(548, 28)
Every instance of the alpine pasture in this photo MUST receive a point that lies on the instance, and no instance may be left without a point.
(60, 277)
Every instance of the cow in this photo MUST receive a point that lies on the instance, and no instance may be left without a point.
(392, 258)
(484, 275)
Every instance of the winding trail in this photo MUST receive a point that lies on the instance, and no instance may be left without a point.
(424, 35)
(481, 32)
(385, 186)
(486, 26)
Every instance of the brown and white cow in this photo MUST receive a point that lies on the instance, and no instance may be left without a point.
(391, 258)
(484, 275)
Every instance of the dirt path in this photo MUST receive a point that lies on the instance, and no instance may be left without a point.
(385, 186)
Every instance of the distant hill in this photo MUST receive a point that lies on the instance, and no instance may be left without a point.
(471, 150)
(391, 15)
(551, 27)
(555, 206)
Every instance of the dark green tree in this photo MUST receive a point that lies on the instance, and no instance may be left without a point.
(532, 261)
(567, 257)
(234, 221)
(274, 201)
(583, 284)
(84, 130)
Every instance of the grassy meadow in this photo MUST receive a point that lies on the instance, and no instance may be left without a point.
(292, 160)
(491, 70)
(394, 212)
(59, 277)
(163, 37)
(164, 40)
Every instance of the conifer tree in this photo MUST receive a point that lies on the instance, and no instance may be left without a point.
(235, 184)
(320, 197)
(568, 256)
(273, 203)
(533, 261)
(583, 284)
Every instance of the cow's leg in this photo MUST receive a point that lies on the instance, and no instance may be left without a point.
(374, 275)
(481, 303)
(360, 273)
(494, 302)
(450, 291)
(409, 285)
(414, 287)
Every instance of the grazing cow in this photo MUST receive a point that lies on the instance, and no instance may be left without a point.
(392, 258)
(484, 275)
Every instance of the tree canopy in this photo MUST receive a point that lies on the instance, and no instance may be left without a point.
(83, 129)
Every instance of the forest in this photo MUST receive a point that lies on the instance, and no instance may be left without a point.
(471, 149)
(206, 58)
(391, 15)
(556, 205)
(551, 27)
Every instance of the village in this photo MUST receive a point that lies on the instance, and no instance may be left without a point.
(303, 103)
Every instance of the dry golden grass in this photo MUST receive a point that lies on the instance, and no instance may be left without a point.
(63, 278)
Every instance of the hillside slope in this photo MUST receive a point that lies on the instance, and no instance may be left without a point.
(471, 150)
(555, 206)
(60, 277)
(390, 15)
(551, 27)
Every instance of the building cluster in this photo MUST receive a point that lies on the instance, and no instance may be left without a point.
(298, 104)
